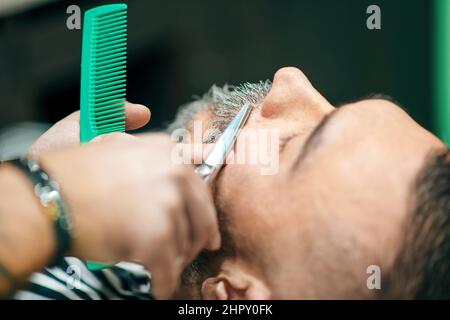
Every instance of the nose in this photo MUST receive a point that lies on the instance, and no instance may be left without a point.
(292, 93)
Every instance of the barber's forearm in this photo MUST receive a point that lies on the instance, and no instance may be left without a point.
(26, 235)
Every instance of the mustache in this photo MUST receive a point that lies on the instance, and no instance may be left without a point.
(228, 100)
(223, 103)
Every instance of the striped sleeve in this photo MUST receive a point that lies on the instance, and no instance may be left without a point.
(71, 280)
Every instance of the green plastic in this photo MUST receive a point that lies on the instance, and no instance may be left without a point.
(103, 71)
(103, 76)
(442, 69)
(91, 265)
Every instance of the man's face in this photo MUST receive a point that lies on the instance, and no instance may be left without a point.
(336, 204)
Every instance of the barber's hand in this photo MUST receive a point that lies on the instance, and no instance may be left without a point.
(129, 201)
(66, 132)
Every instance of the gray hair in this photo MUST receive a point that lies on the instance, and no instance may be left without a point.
(224, 103)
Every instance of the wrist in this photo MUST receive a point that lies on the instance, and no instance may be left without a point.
(54, 207)
(28, 241)
(79, 197)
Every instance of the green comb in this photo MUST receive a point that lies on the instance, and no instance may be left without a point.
(103, 76)
(103, 71)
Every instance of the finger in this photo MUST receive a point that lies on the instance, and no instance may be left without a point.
(137, 115)
(201, 214)
(73, 116)
(182, 234)
(165, 273)
(65, 133)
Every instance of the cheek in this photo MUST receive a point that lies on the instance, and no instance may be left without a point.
(245, 195)
(235, 184)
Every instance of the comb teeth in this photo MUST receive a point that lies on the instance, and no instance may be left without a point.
(109, 62)
(106, 70)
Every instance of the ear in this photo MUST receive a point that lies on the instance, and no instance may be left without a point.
(235, 283)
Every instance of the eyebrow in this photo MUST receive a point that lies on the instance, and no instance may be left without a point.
(315, 137)
(380, 96)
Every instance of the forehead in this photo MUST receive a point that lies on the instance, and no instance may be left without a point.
(372, 140)
(378, 132)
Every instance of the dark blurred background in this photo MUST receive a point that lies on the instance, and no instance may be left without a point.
(178, 48)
